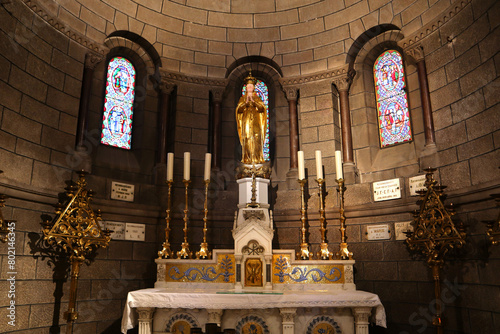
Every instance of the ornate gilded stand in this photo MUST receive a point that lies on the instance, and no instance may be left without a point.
(434, 234)
(166, 252)
(204, 253)
(185, 253)
(324, 253)
(305, 253)
(343, 253)
(493, 227)
(76, 229)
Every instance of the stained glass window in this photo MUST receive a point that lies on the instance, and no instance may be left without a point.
(392, 101)
(118, 104)
(261, 89)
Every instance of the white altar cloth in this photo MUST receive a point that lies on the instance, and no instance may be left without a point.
(165, 298)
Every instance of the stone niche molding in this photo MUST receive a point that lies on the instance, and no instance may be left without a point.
(302, 79)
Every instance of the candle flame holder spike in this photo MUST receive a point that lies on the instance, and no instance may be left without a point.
(166, 252)
(323, 253)
(204, 253)
(343, 253)
(185, 253)
(304, 253)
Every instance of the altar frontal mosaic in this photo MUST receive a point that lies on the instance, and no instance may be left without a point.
(184, 271)
(285, 273)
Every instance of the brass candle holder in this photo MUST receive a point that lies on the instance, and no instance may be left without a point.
(343, 253)
(253, 200)
(204, 253)
(76, 229)
(324, 253)
(434, 234)
(185, 253)
(305, 253)
(493, 227)
(166, 252)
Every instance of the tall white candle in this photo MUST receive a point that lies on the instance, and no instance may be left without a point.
(187, 162)
(319, 165)
(208, 162)
(170, 167)
(300, 158)
(338, 164)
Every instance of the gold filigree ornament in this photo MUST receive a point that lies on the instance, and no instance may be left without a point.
(76, 229)
(434, 234)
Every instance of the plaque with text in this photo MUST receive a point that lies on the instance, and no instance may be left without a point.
(416, 184)
(386, 190)
(378, 232)
(122, 191)
(135, 232)
(117, 228)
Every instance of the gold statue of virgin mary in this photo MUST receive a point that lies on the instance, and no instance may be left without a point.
(251, 119)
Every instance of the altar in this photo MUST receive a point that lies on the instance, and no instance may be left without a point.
(254, 288)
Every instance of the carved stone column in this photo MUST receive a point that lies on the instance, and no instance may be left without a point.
(342, 84)
(292, 175)
(165, 89)
(287, 315)
(217, 94)
(145, 319)
(91, 61)
(417, 53)
(361, 319)
(214, 316)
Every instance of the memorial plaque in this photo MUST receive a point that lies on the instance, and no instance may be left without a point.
(135, 232)
(122, 191)
(117, 228)
(378, 232)
(416, 184)
(386, 190)
(400, 228)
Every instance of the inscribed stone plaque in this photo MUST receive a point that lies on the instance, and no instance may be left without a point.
(386, 190)
(135, 232)
(118, 230)
(416, 184)
(378, 232)
(122, 191)
(401, 228)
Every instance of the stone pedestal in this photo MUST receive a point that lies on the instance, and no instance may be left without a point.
(245, 191)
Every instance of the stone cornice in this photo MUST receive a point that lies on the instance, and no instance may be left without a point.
(324, 75)
(57, 24)
(192, 79)
(432, 26)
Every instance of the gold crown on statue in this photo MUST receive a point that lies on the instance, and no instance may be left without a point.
(250, 79)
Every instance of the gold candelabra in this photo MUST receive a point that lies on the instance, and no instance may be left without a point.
(166, 252)
(493, 227)
(305, 253)
(434, 234)
(324, 253)
(343, 253)
(185, 253)
(76, 229)
(204, 253)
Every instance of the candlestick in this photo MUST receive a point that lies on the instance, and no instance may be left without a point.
(319, 166)
(170, 167)
(338, 165)
(343, 253)
(166, 252)
(300, 158)
(208, 161)
(324, 253)
(185, 253)
(304, 253)
(187, 162)
(204, 253)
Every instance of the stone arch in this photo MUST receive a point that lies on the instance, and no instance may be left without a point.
(370, 158)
